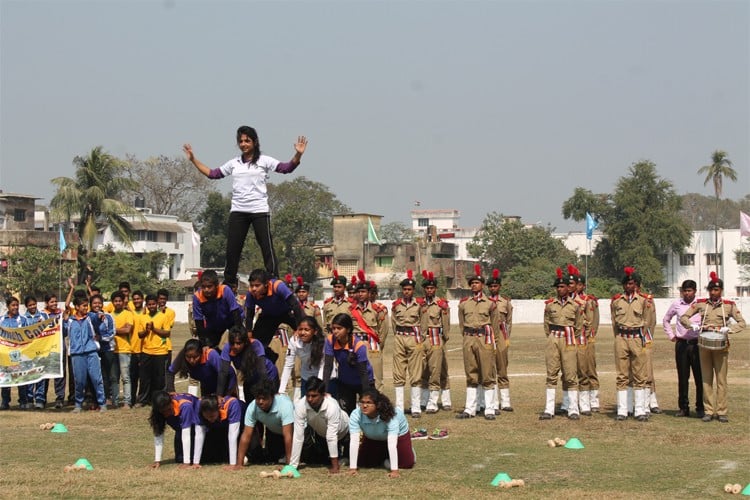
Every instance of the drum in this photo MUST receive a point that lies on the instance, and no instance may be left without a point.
(714, 341)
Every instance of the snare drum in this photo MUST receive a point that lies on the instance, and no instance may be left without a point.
(714, 341)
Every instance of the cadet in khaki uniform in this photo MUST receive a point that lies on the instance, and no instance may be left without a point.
(563, 323)
(408, 353)
(588, 378)
(630, 312)
(572, 278)
(652, 405)
(715, 315)
(502, 331)
(436, 325)
(370, 326)
(309, 307)
(336, 304)
(476, 316)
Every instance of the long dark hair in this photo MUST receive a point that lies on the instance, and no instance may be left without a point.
(253, 135)
(180, 365)
(382, 403)
(250, 364)
(160, 401)
(317, 341)
(345, 321)
(209, 403)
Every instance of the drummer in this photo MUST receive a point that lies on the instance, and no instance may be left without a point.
(715, 314)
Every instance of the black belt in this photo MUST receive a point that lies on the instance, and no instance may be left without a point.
(558, 328)
(689, 341)
(405, 329)
(473, 331)
(636, 331)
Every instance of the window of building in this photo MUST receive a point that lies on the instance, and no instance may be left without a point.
(412, 258)
(687, 259)
(743, 258)
(151, 236)
(140, 235)
(19, 215)
(743, 291)
(713, 259)
(384, 261)
(347, 268)
(423, 222)
(168, 237)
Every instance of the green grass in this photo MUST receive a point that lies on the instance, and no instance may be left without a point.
(666, 457)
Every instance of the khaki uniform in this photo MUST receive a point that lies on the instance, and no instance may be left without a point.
(502, 327)
(714, 363)
(332, 307)
(476, 317)
(588, 378)
(280, 344)
(408, 352)
(629, 319)
(563, 325)
(436, 327)
(375, 318)
(312, 309)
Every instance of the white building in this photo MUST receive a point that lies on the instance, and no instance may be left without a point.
(177, 239)
(443, 225)
(695, 263)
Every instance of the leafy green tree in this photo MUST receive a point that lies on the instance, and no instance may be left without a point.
(35, 271)
(641, 223)
(504, 245)
(212, 228)
(584, 201)
(301, 216)
(720, 167)
(94, 195)
(141, 271)
(168, 185)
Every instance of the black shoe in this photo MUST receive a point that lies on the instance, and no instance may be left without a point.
(561, 412)
(707, 418)
(463, 415)
(642, 418)
(407, 411)
(490, 416)
(573, 416)
(723, 419)
(620, 418)
(507, 408)
(656, 410)
(586, 413)
(682, 413)
(700, 413)
(546, 416)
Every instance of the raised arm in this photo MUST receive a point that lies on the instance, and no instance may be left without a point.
(202, 167)
(299, 150)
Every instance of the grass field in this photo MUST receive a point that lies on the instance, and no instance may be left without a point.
(667, 457)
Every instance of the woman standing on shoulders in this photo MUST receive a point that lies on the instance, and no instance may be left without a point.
(249, 173)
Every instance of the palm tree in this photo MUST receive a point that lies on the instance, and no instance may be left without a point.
(720, 167)
(93, 195)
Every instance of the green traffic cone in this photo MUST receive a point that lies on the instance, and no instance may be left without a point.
(292, 469)
(746, 491)
(574, 444)
(59, 428)
(501, 477)
(85, 463)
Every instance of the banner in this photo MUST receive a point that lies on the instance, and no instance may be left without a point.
(31, 353)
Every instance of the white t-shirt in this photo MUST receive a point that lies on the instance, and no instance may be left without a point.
(249, 193)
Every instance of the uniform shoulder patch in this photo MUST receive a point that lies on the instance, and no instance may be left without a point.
(464, 299)
(420, 301)
(615, 297)
(443, 304)
(379, 307)
(728, 302)
(702, 301)
(395, 303)
(329, 299)
(549, 300)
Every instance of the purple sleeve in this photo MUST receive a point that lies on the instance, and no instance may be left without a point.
(284, 291)
(328, 348)
(215, 173)
(225, 353)
(188, 414)
(286, 167)
(361, 353)
(197, 309)
(257, 346)
(214, 360)
(234, 412)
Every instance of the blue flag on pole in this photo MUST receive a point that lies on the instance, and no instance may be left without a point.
(591, 224)
(63, 245)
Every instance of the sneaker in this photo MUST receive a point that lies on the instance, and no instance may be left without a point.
(419, 434)
(707, 418)
(39, 406)
(58, 405)
(24, 406)
(506, 408)
(387, 464)
(103, 409)
(439, 434)
(682, 413)
(642, 418)
(77, 409)
(723, 419)
(447, 408)
(490, 416)
(464, 415)
(620, 418)
(573, 416)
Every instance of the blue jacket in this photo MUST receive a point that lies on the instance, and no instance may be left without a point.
(105, 329)
(81, 335)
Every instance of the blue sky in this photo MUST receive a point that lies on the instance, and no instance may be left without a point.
(481, 106)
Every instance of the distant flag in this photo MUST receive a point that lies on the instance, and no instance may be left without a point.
(744, 224)
(371, 236)
(591, 224)
(63, 245)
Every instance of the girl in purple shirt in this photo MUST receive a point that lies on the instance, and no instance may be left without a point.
(355, 372)
(249, 357)
(203, 364)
